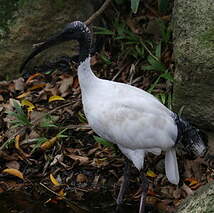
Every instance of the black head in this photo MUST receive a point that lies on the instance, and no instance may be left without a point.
(76, 30)
(193, 142)
(190, 137)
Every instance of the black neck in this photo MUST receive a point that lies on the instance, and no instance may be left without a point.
(84, 51)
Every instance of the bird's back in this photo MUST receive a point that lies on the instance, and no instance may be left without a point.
(128, 116)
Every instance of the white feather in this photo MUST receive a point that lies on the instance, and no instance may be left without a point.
(171, 166)
(127, 116)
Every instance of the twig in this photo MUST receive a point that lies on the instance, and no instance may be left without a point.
(51, 190)
(98, 12)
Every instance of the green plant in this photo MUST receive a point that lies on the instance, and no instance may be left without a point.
(21, 118)
(48, 121)
(166, 31)
(103, 141)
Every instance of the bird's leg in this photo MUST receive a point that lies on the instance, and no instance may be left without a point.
(144, 189)
(124, 184)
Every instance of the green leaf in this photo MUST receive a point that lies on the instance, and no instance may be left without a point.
(103, 141)
(167, 76)
(60, 135)
(154, 84)
(38, 142)
(148, 67)
(158, 51)
(103, 31)
(163, 98)
(157, 65)
(48, 121)
(135, 5)
(105, 59)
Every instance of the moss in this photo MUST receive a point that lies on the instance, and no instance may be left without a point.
(6, 12)
(207, 38)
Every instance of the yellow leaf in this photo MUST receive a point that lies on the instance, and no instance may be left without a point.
(28, 104)
(14, 172)
(49, 143)
(17, 139)
(54, 180)
(192, 181)
(23, 95)
(56, 98)
(150, 173)
(61, 193)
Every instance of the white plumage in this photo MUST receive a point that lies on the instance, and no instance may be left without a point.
(129, 117)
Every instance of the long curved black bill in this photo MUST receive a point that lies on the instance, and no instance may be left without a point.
(59, 38)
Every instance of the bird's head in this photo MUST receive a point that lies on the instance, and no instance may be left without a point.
(76, 30)
(193, 141)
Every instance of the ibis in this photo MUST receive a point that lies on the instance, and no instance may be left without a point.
(133, 119)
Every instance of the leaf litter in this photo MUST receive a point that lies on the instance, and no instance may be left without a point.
(45, 138)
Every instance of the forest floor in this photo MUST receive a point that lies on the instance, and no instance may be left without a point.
(47, 148)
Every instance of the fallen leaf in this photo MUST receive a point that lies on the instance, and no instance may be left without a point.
(54, 180)
(56, 98)
(29, 105)
(13, 164)
(32, 77)
(17, 139)
(187, 189)
(37, 86)
(23, 95)
(19, 84)
(191, 181)
(14, 172)
(81, 159)
(81, 178)
(1, 98)
(65, 84)
(150, 173)
(49, 143)
(61, 193)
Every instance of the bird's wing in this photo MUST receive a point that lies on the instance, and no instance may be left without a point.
(134, 123)
(171, 166)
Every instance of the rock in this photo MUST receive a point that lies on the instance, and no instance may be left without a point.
(193, 22)
(35, 21)
(202, 201)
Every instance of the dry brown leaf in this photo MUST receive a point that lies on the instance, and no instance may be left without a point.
(99, 162)
(81, 159)
(14, 172)
(75, 83)
(66, 83)
(187, 189)
(81, 178)
(13, 164)
(37, 86)
(23, 95)
(19, 84)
